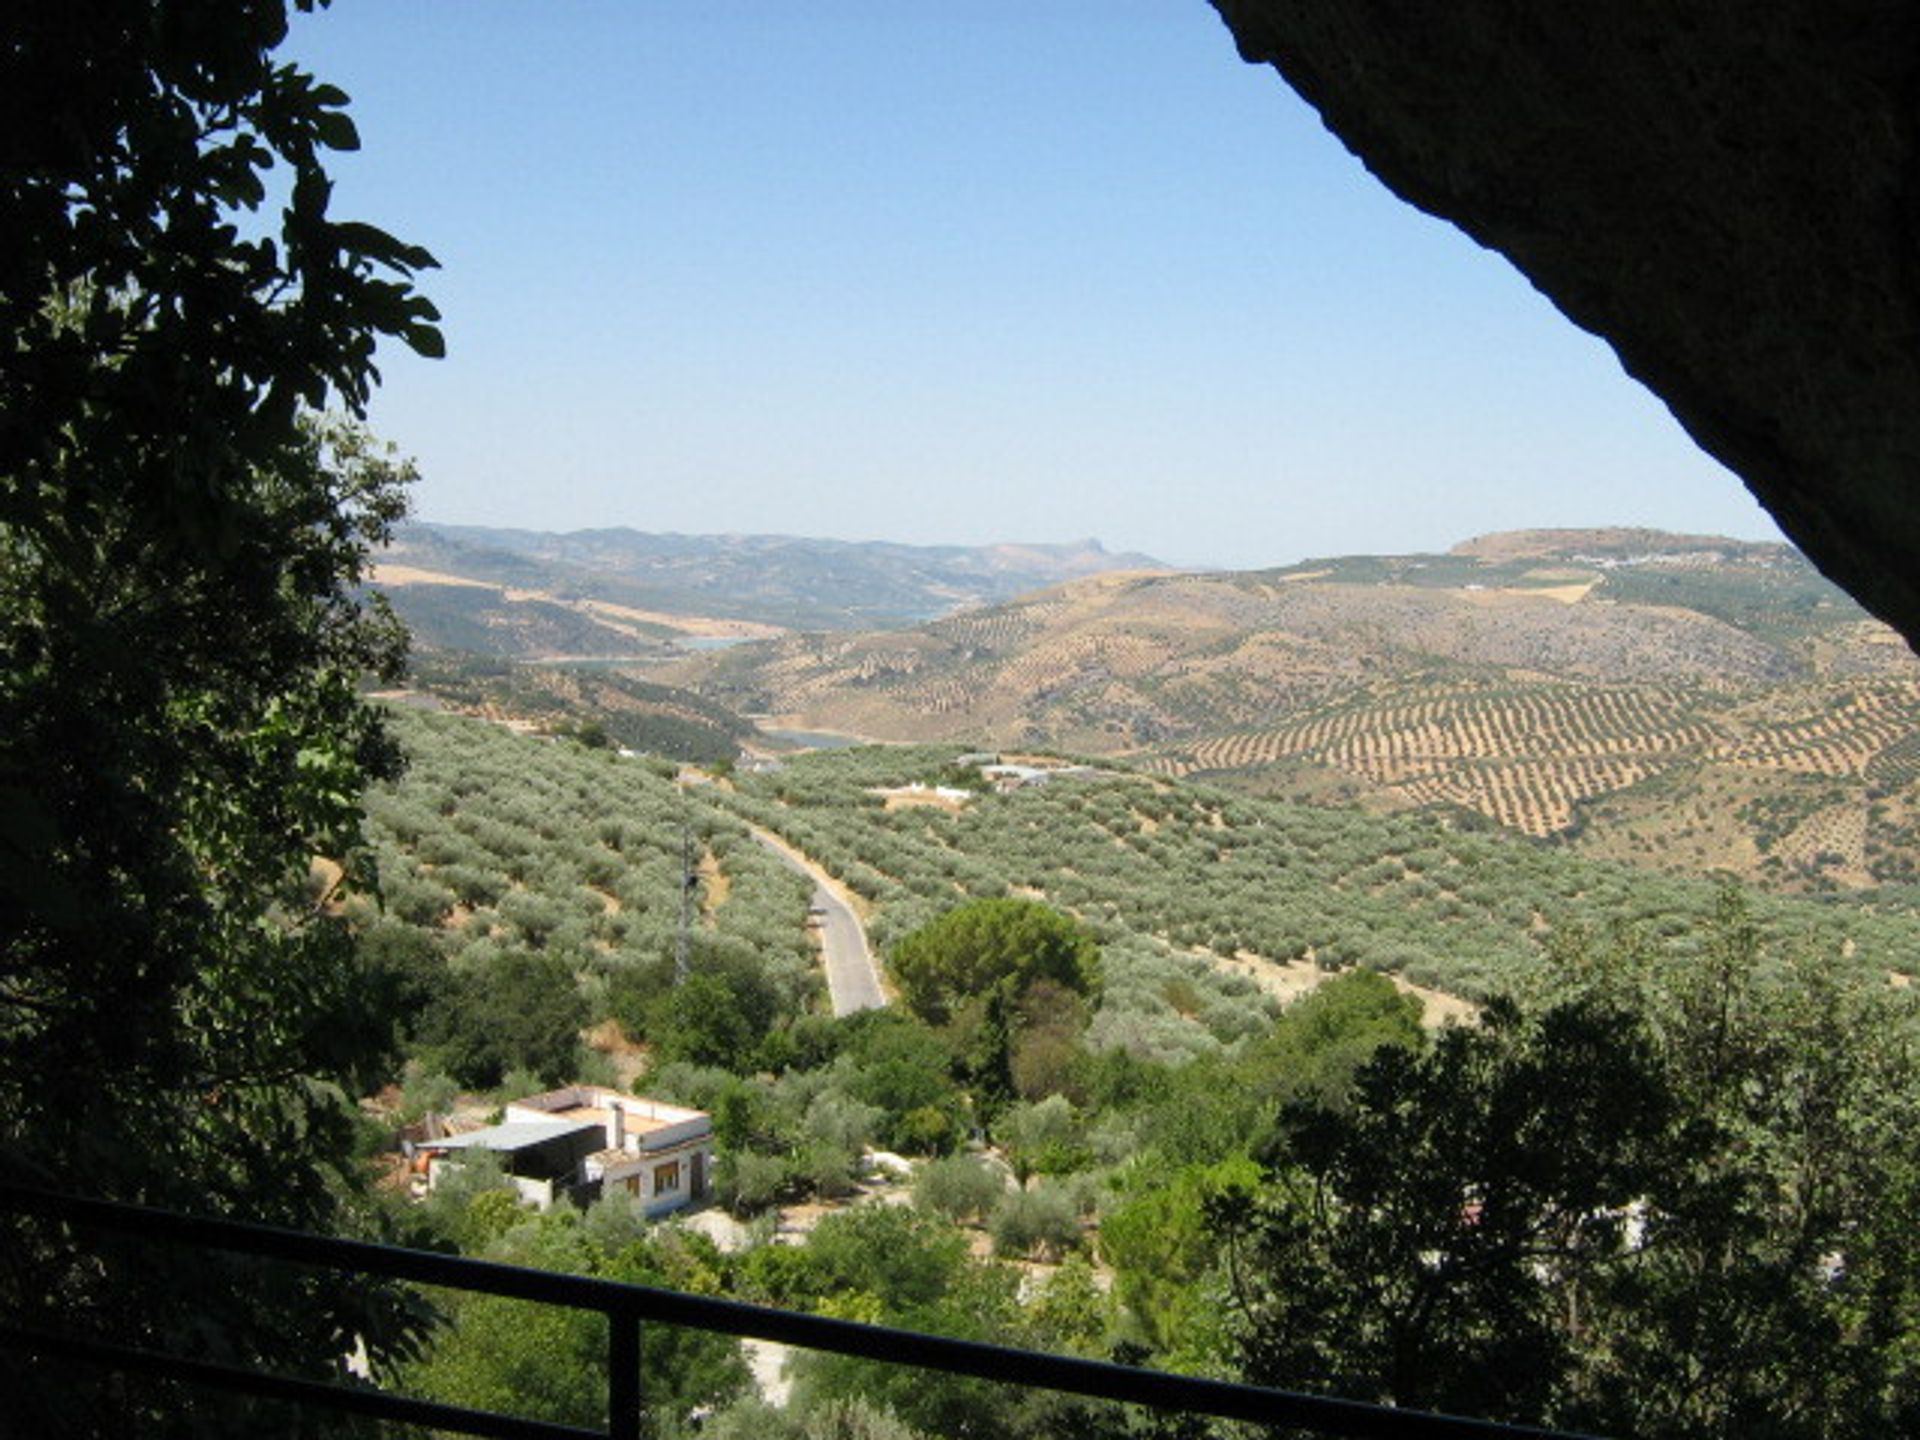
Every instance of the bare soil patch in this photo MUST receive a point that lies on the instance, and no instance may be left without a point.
(630, 1058)
(1288, 980)
(413, 575)
(1566, 594)
(925, 799)
(715, 885)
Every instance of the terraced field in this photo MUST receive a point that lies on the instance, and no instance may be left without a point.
(1413, 736)
(1896, 766)
(1524, 756)
(1828, 730)
(1530, 757)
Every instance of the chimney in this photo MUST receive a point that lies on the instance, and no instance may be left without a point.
(617, 1125)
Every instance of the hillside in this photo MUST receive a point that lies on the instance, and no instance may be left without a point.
(624, 594)
(1683, 701)
(599, 706)
(1204, 899)
(1240, 961)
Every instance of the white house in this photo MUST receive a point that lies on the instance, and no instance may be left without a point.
(660, 1154)
(585, 1140)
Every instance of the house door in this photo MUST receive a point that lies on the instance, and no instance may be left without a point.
(699, 1175)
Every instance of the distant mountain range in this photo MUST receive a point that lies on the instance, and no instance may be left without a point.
(620, 593)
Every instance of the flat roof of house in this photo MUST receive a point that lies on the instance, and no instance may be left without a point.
(594, 1104)
(643, 1129)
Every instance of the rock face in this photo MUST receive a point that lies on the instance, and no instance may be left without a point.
(1727, 193)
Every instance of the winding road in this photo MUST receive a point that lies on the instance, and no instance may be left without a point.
(853, 983)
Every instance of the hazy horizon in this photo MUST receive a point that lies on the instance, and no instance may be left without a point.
(1064, 544)
(1030, 542)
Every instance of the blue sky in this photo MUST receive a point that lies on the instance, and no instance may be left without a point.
(953, 272)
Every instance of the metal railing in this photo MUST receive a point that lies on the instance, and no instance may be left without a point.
(626, 1306)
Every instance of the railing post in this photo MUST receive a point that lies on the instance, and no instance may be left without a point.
(623, 1375)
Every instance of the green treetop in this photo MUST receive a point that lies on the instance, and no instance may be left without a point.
(992, 946)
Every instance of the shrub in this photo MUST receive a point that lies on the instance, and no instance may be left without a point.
(959, 1187)
(520, 1011)
(902, 1256)
(416, 899)
(1043, 1136)
(474, 884)
(825, 1170)
(842, 1121)
(928, 1130)
(747, 1183)
(1043, 1220)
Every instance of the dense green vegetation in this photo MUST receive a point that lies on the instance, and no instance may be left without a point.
(992, 952)
(508, 1355)
(1162, 871)
(503, 859)
(1653, 1200)
(1258, 1190)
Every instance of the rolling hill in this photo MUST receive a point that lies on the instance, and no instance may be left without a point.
(1681, 701)
(624, 594)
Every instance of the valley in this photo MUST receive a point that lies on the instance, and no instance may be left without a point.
(1683, 703)
(623, 594)
(1185, 894)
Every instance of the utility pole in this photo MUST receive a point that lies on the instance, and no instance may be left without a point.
(687, 884)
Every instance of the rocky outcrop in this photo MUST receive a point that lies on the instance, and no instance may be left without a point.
(1727, 193)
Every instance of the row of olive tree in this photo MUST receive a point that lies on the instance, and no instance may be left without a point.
(1202, 869)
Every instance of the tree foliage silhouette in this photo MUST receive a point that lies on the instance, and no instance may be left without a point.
(187, 502)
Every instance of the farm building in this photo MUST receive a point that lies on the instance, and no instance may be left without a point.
(581, 1141)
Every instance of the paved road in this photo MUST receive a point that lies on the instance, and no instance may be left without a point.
(852, 982)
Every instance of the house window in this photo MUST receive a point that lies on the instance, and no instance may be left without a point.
(667, 1177)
